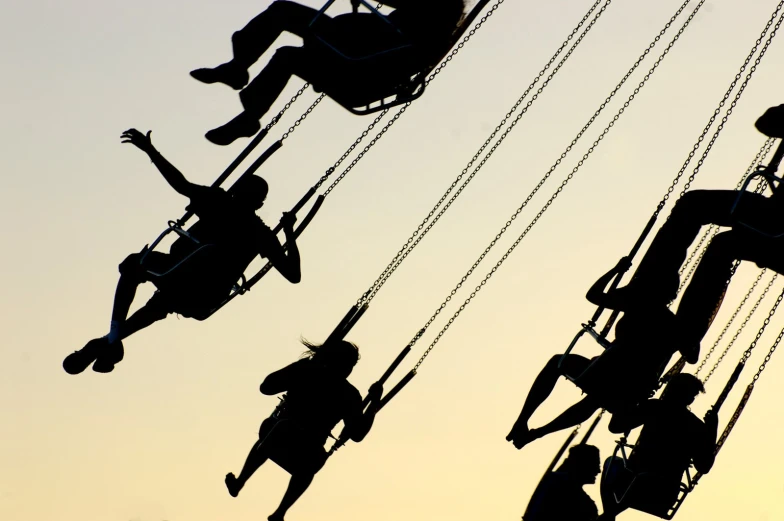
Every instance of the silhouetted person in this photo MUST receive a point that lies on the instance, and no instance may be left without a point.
(419, 34)
(646, 337)
(318, 396)
(672, 438)
(701, 207)
(235, 234)
(560, 495)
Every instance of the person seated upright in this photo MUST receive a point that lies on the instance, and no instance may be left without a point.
(414, 36)
(672, 438)
(318, 396)
(646, 337)
(190, 282)
(560, 495)
(696, 208)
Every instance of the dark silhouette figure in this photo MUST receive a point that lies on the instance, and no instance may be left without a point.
(672, 438)
(560, 495)
(193, 277)
(646, 337)
(357, 58)
(701, 207)
(318, 396)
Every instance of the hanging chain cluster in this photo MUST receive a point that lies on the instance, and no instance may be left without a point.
(740, 328)
(569, 177)
(765, 361)
(723, 102)
(747, 353)
(429, 221)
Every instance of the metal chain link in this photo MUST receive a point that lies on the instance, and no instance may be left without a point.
(764, 363)
(747, 353)
(426, 225)
(274, 121)
(761, 155)
(553, 197)
(739, 331)
(304, 115)
(402, 110)
(713, 117)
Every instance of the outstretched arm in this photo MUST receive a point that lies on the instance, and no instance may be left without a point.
(286, 261)
(359, 425)
(596, 295)
(173, 176)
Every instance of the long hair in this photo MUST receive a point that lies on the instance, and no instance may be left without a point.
(343, 351)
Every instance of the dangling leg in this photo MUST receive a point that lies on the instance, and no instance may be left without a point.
(695, 209)
(298, 484)
(109, 347)
(256, 458)
(250, 42)
(262, 92)
(544, 384)
(571, 417)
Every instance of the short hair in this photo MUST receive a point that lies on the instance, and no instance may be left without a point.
(253, 184)
(580, 456)
(684, 385)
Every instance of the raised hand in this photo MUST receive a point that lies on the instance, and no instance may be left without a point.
(139, 140)
(288, 220)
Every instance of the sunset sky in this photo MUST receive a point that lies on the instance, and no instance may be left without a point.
(153, 440)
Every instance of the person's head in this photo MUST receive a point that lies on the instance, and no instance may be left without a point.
(682, 389)
(338, 357)
(583, 464)
(250, 191)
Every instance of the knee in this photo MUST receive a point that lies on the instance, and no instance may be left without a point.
(687, 203)
(131, 266)
(552, 364)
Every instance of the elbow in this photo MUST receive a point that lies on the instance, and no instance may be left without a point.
(294, 278)
(267, 388)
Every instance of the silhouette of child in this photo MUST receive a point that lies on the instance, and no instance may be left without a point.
(318, 396)
(560, 495)
(230, 236)
(370, 56)
(672, 437)
(646, 337)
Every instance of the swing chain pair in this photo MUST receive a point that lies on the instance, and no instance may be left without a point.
(747, 353)
(764, 363)
(723, 102)
(740, 328)
(568, 178)
(304, 115)
(429, 221)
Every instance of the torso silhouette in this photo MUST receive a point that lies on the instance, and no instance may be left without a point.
(559, 497)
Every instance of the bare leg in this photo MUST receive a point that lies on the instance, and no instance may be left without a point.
(540, 391)
(256, 458)
(574, 415)
(154, 310)
(298, 484)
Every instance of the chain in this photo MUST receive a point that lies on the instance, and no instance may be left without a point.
(747, 353)
(553, 197)
(304, 115)
(713, 117)
(740, 329)
(426, 225)
(400, 112)
(764, 363)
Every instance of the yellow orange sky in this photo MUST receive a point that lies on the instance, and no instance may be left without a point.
(153, 440)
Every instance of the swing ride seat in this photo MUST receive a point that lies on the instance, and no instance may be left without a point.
(770, 230)
(380, 79)
(646, 491)
(602, 341)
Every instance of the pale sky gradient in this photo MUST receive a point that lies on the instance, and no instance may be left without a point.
(153, 440)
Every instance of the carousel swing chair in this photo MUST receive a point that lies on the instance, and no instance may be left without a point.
(277, 422)
(372, 88)
(767, 172)
(204, 255)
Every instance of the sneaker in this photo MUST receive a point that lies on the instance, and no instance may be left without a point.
(771, 123)
(108, 356)
(232, 485)
(80, 360)
(244, 125)
(227, 74)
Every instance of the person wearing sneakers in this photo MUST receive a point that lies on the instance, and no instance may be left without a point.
(746, 216)
(365, 54)
(190, 283)
(318, 396)
(646, 337)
